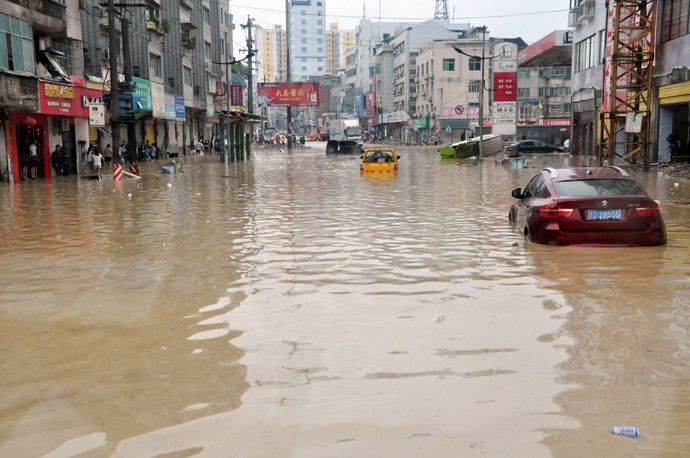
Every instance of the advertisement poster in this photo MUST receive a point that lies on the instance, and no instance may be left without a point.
(288, 94)
(179, 109)
(170, 107)
(237, 95)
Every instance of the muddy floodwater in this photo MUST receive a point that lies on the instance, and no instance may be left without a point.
(287, 306)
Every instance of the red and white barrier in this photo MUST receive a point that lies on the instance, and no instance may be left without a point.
(117, 173)
(134, 168)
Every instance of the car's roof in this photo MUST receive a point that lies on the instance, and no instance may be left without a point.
(587, 173)
(381, 149)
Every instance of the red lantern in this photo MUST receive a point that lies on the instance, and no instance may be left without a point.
(28, 121)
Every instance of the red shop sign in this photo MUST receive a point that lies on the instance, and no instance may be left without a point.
(63, 100)
(505, 87)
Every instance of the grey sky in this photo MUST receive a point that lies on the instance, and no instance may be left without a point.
(531, 27)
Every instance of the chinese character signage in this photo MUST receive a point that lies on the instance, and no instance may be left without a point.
(143, 89)
(62, 100)
(179, 109)
(288, 94)
(505, 88)
(237, 95)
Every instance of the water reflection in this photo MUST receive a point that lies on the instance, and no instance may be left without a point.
(288, 305)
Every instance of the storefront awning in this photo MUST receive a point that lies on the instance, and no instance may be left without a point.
(237, 117)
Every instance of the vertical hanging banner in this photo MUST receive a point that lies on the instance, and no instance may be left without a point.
(504, 109)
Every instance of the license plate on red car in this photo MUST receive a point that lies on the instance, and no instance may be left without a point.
(603, 215)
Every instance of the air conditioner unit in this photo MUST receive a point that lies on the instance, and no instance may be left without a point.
(64, 125)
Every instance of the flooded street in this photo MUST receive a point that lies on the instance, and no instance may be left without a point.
(287, 306)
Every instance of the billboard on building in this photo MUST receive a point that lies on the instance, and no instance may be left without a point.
(288, 94)
(236, 95)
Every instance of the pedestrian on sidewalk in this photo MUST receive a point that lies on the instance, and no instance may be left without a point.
(97, 162)
(33, 158)
(56, 159)
(108, 156)
(566, 145)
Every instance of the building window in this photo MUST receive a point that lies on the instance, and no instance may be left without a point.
(319, 69)
(448, 65)
(320, 31)
(319, 50)
(319, 40)
(524, 74)
(475, 64)
(187, 76)
(303, 22)
(207, 50)
(473, 87)
(304, 31)
(319, 22)
(303, 12)
(304, 59)
(586, 54)
(304, 49)
(207, 16)
(319, 59)
(523, 93)
(304, 40)
(16, 44)
(304, 68)
(675, 17)
(155, 63)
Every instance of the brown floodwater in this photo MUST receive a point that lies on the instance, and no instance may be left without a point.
(287, 306)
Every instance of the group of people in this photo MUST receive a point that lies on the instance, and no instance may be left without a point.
(59, 158)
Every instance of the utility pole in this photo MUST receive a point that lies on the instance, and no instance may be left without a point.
(224, 119)
(481, 97)
(289, 73)
(250, 64)
(114, 88)
(127, 61)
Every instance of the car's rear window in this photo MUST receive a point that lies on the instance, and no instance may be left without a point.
(592, 188)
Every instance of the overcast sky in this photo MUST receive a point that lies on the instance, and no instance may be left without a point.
(529, 19)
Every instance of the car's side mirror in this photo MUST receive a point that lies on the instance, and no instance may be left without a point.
(398, 157)
(517, 193)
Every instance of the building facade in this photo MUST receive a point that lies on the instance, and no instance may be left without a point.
(307, 38)
(338, 43)
(544, 88)
(273, 54)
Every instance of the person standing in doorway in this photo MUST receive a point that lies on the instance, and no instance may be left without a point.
(56, 159)
(108, 156)
(97, 162)
(673, 145)
(33, 159)
(123, 152)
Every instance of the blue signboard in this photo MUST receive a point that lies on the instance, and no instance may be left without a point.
(359, 102)
(179, 108)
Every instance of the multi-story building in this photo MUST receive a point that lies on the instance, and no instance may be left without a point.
(307, 38)
(43, 97)
(273, 54)
(544, 88)
(671, 79)
(447, 85)
(670, 83)
(338, 43)
(588, 18)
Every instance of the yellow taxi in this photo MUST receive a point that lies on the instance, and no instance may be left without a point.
(379, 161)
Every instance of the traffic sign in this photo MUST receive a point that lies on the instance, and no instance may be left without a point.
(459, 109)
(449, 129)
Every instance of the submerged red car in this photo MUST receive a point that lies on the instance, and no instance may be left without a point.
(592, 206)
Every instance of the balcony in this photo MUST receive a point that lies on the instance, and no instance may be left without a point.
(574, 18)
(158, 26)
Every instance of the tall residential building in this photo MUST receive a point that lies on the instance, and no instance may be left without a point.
(273, 54)
(307, 38)
(338, 43)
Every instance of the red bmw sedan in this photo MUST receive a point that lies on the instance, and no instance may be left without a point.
(590, 206)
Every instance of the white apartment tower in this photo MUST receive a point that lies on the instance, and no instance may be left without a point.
(307, 38)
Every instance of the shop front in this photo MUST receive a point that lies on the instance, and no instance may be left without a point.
(63, 120)
(674, 115)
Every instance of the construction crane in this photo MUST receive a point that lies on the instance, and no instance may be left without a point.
(628, 70)
(441, 11)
